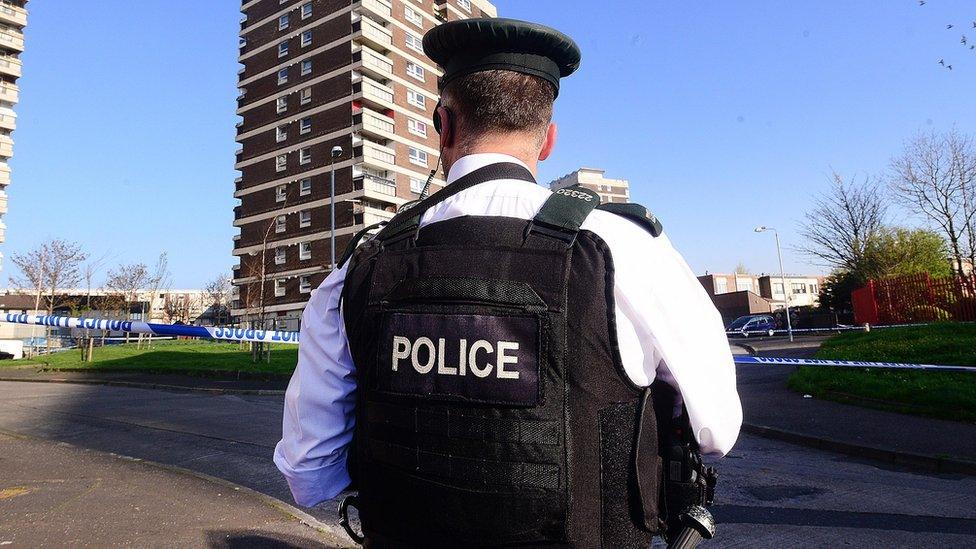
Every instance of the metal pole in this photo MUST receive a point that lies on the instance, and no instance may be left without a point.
(782, 274)
(332, 217)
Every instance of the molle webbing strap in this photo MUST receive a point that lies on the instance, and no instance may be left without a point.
(472, 471)
(636, 213)
(564, 213)
(408, 221)
(454, 424)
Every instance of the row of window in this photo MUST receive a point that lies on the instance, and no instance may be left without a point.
(306, 70)
(304, 189)
(304, 220)
(304, 253)
(306, 41)
(304, 157)
(285, 19)
(304, 286)
(304, 127)
(304, 98)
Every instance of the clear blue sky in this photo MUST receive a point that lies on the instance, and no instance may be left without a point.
(723, 116)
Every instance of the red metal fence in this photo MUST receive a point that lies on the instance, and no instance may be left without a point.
(915, 298)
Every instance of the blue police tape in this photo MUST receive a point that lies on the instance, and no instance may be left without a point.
(136, 327)
(777, 361)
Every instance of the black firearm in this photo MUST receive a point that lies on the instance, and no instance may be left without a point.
(689, 486)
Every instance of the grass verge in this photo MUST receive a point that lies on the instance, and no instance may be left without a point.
(186, 357)
(946, 395)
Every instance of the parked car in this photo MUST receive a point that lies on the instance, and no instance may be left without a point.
(753, 324)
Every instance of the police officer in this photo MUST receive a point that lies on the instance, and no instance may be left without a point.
(480, 369)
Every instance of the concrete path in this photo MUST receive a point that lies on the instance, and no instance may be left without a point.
(56, 495)
(771, 494)
(911, 440)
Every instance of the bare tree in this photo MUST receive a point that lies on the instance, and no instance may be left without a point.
(842, 222)
(124, 282)
(935, 176)
(56, 265)
(33, 272)
(217, 293)
(179, 307)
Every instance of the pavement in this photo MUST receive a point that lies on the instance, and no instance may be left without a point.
(55, 494)
(268, 384)
(772, 410)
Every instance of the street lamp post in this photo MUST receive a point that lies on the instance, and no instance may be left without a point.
(336, 153)
(782, 274)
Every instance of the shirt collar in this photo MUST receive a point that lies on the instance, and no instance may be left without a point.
(467, 164)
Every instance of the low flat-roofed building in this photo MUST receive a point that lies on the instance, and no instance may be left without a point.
(610, 190)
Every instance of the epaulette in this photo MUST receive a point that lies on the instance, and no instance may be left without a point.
(636, 213)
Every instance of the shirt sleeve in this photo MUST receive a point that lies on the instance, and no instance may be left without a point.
(319, 404)
(668, 327)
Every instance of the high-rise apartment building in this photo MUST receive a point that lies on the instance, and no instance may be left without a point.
(318, 74)
(13, 19)
(610, 190)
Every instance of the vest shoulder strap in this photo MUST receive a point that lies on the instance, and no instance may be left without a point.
(636, 213)
(564, 213)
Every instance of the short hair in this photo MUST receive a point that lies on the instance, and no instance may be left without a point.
(500, 101)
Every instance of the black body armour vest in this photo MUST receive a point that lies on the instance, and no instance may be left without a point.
(492, 406)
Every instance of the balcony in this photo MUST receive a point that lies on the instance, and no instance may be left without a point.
(3, 232)
(374, 153)
(374, 63)
(380, 9)
(3, 202)
(6, 146)
(11, 66)
(9, 92)
(376, 94)
(4, 173)
(13, 15)
(379, 185)
(371, 216)
(12, 38)
(8, 120)
(373, 34)
(374, 123)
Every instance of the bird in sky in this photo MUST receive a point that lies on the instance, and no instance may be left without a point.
(963, 40)
(949, 67)
(921, 2)
(942, 62)
(949, 27)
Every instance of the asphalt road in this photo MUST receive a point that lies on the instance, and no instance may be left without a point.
(771, 494)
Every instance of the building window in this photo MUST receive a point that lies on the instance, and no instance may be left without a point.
(417, 127)
(416, 185)
(798, 287)
(415, 71)
(306, 10)
(721, 286)
(281, 223)
(283, 22)
(279, 287)
(416, 99)
(306, 38)
(814, 289)
(305, 251)
(415, 42)
(282, 104)
(306, 67)
(281, 162)
(417, 157)
(743, 284)
(465, 5)
(281, 133)
(282, 49)
(413, 16)
(305, 187)
(305, 219)
(282, 76)
(280, 255)
(305, 285)
(281, 193)
(778, 288)
(304, 155)
(306, 125)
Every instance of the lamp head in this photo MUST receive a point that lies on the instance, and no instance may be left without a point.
(336, 152)
(760, 229)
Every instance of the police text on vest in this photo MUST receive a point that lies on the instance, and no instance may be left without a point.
(424, 355)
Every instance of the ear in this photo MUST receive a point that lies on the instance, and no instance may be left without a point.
(447, 126)
(550, 141)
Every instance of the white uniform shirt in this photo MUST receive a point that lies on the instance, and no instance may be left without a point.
(667, 328)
